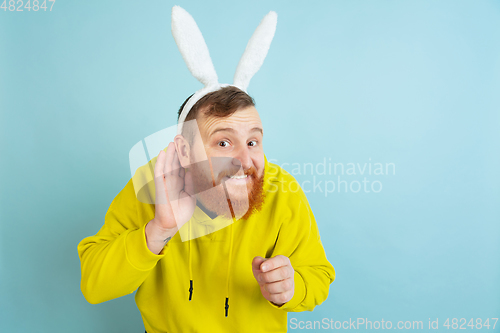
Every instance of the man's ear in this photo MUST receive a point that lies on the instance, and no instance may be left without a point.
(183, 150)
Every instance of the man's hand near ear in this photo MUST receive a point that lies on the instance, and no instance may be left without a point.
(174, 202)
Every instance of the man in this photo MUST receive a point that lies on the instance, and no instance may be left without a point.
(219, 239)
(236, 277)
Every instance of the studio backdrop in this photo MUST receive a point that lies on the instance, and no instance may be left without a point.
(387, 113)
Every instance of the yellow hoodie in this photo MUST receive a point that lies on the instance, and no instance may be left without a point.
(206, 284)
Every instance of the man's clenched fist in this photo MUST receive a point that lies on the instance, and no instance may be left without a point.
(275, 278)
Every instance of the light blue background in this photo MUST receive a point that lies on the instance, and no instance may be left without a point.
(414, 83)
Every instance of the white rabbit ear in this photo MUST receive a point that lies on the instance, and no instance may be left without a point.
(256, 51)
(192, 46)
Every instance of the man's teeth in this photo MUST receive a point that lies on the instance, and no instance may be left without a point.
(238, 177)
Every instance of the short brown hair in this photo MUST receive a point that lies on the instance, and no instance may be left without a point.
(220, 103)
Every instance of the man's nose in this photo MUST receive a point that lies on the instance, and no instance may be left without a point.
(242, 158)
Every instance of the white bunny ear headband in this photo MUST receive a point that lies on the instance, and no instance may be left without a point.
(194, 50)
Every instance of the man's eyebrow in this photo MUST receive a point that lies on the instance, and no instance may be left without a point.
(229, 129)
(258, 129)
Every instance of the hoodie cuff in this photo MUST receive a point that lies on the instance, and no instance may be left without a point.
(299, 293)
(138, 253)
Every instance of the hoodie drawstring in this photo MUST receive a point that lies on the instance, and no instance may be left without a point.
(226, 304)
(190, 269)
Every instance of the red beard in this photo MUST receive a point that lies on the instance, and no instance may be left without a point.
(217, 196)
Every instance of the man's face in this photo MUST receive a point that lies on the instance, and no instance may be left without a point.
(233, 146)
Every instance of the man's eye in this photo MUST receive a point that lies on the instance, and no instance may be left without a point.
(223, 144)
(254, 143)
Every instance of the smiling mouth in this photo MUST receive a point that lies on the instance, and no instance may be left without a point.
(237, 178)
